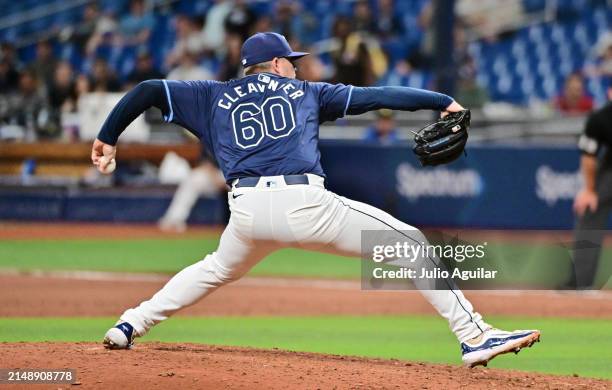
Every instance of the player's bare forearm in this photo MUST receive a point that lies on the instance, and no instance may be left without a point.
(587, 198)
(145, 95)
(588, 168)
(365, 99)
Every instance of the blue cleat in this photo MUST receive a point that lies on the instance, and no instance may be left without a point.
(492, 342)
(121, 336)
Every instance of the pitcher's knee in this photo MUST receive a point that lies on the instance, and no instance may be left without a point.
(217, 274)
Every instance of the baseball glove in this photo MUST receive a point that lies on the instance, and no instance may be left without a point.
(444, 140)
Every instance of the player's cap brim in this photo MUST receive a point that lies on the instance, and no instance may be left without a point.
(295, 55)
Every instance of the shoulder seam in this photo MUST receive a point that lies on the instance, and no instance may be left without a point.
(348, 100)
(171, 115)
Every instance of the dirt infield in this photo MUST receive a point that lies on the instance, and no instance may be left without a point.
(76, 231)
(188, 366)
(27, 295)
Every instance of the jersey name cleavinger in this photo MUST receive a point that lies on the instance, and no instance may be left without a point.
(273, 85)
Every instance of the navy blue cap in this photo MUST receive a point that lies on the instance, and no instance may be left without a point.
(265, 46)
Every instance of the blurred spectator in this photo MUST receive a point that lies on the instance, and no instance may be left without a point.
(104, 33)
(602, 66)
(81, 33)
(136, 27)
(351, 58)
(27, 108)
(187, 38)
(62, 89)
(9, 77)
(422, 56)
(383, 131)
(204, 180)
(103, 78)
(189, 69)
(574, 99)
(263, 24)
(293, 21)
(240, 20)
(388, 23)
(44, 64)
(357, 58)
(9, 53)
(230, 66)
(468, 91)
(213, 34)
(143, 70)
(362, 17)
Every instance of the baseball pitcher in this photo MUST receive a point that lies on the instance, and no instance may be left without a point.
(263, 131)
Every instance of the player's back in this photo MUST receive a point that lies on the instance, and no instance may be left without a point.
(266, 125)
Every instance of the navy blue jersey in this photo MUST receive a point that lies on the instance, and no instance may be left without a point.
(259, 125)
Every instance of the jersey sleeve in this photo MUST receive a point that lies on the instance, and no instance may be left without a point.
(591, 139)
(188, 103)
(333, 100)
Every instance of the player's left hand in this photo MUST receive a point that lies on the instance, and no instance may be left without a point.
(443, 141)
(453, 107)
(100, 149)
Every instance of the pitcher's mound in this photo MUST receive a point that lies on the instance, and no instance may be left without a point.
(195, 366)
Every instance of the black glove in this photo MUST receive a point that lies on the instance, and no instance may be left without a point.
(443, 141)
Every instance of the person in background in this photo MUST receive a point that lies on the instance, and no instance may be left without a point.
(205, 180)
(80, 34)
(593, 203)
(62, 89)
(143, 70)
(383, 131)
(136, 27)
(102, 78)
(362, 17)
(9, 77)
(293, 20)
(230, 66)
(61, 93)
(213, 33)
(574, 100)
(27, 107)
(9, 70)
(468, 90)
(189, 69)
(105, 32)
(187, 38)
(351, 59)
(44, 65)
(240, 20)
(387, 23)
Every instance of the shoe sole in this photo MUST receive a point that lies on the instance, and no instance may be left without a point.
(513, 346)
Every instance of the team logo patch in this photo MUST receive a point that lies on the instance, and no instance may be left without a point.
(263, 78)
(244, 61)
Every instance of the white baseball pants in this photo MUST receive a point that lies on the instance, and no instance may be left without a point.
(274, 215)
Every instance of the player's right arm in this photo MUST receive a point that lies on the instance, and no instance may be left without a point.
(145, 95)
(181, 102)
(589, 144)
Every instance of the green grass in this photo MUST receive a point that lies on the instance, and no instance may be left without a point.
(531, 264)
(160, 256)
(569, 346)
